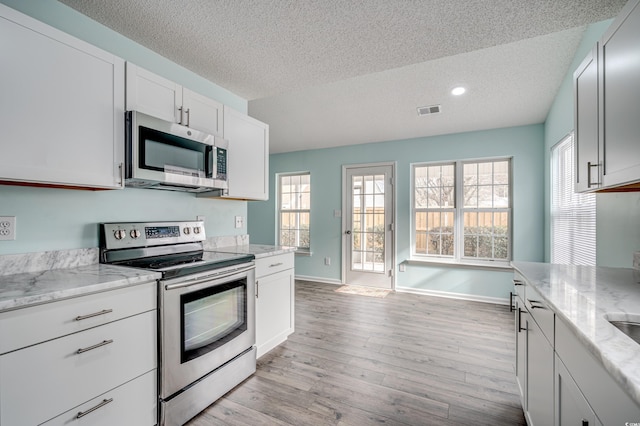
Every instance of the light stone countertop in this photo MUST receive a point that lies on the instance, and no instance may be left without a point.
(258, 250)
(584, 297)
(33, 288)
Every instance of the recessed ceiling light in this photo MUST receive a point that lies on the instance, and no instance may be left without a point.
(457, 91)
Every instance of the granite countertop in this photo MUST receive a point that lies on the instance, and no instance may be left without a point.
(585, 297)
(32, 288)
(258, 250)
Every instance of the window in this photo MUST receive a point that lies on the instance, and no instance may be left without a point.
(294, 210)
(462, 210)
(573, 215)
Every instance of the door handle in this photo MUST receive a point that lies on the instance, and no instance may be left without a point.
(347, 232)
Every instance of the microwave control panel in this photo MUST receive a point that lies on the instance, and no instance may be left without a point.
(221, 163)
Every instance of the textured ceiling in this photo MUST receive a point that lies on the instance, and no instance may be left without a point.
(337, 72)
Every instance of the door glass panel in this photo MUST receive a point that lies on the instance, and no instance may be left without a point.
(368, 223)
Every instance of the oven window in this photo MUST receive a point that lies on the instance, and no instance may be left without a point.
(212, 317)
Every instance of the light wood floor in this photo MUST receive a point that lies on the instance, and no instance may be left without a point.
(401, 360)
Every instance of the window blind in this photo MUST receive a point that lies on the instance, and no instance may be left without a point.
(573, 215)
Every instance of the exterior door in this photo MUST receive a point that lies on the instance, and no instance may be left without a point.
(368, 237)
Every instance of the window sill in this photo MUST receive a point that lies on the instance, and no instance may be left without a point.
(504, 266)
(299, 252)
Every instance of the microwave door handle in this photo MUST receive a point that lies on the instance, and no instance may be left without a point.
(208, 168)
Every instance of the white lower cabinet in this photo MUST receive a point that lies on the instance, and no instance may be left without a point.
(275, 296)
(572, 408)
(114, 362)
(539, 377)
(560, 382)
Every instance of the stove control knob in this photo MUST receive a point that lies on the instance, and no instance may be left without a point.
(134, 233)
(186, 231)
(196, 229)
(119, 234)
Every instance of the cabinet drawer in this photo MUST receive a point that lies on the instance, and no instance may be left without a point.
(42, 381)
(52, 320)
(272, 264)
(540, 313)
(134, 403)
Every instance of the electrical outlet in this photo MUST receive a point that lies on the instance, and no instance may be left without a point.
(239, 221)
(402, 267)
(327, 261)
(7, 227)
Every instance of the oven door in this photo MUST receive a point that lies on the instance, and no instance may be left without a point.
(205, 321)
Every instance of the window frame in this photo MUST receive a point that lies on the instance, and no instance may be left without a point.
(279, 210)
(459, 210)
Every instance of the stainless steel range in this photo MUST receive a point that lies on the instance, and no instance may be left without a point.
(206, 321)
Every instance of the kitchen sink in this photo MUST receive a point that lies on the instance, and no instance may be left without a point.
(631, 329)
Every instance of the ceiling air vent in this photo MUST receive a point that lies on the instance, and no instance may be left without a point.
(431, 109)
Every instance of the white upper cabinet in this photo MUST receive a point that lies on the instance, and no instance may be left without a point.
(607, 107)
(248, 169)
(154, 95)
(620, 98)
(61, 109)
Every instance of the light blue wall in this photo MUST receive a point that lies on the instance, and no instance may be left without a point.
(55, 219)
(524, 144)
(618, 215)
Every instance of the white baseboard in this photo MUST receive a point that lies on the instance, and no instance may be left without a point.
(460, 296)
(318, 279)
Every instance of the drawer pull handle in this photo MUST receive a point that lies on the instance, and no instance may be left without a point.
(510, 301)
(517, 282)
(91, 410)
(273, 265)
(97, 345)
(95, 314)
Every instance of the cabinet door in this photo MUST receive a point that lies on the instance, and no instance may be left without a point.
(274, 310)
(202, 113)
(61, 109)
(248, 156)
(539, 377)
(521, 349)
(620, 98)
(153, 95)
(571, 408)
(585, 85)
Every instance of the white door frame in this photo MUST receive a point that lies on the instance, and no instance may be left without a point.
(394, 218)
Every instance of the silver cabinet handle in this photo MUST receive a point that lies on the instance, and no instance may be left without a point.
(122, 174)
(181, 115)
(97, 345)
(91, 410)
(510, 301)
(95, 314)
(273, 265)
(589, 183)
(517, 282)
(188, 112)
(531, 302)
(520, 321)
(257, 289)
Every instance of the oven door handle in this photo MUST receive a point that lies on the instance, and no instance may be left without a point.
(219, 275)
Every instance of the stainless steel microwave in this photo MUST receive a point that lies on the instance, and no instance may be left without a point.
(164, 155)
